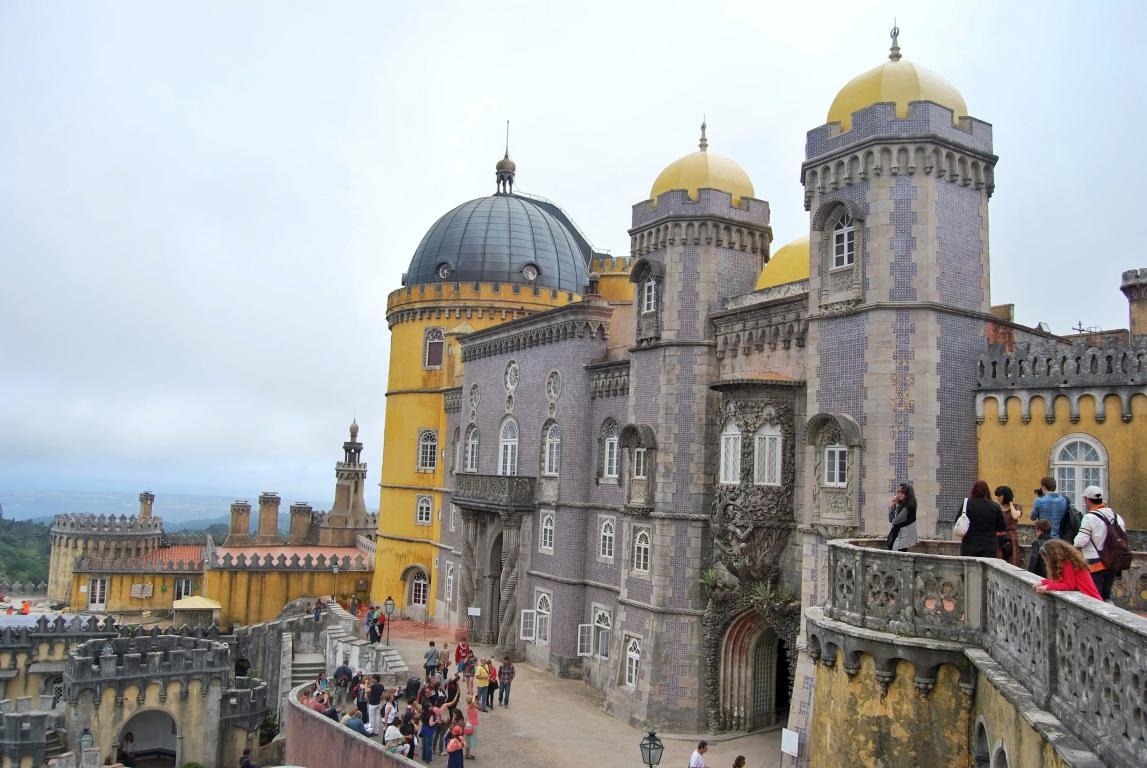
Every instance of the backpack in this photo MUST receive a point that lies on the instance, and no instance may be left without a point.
(1069, 525)
(1116, 552)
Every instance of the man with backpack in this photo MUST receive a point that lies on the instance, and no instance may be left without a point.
(1102, 538)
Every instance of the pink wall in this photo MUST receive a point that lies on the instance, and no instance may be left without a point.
(316, 741)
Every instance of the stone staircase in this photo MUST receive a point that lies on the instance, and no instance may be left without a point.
(54, 744)
(306, 667)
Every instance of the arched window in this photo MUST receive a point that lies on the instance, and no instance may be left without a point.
(649, 296)
(435, 342)
(423, 510)
(470, 462)
(544, 609)
(602, 625)
(632, 661)
(508, 449)
(730, 455)
(767, 455)
(419, 589)
(553, 450)
(835, 466)
(1078, 461)
(605, 543)
(843, 242)
(546, 533)
(641, 550)
(427, 450)
(611, 450)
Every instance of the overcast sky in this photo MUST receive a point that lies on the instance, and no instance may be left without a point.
(203, 206)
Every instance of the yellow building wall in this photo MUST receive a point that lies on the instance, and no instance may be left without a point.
(190, 715)
(1018, 454)
(857, 723)
(1023, 744)
(415, 401)
(251, 597)
(30, 683)
(119, 599)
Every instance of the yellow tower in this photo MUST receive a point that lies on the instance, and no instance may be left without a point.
(489, 260)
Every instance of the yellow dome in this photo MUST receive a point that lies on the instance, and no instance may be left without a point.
(788, 265)
(703, 170)
(899, 82)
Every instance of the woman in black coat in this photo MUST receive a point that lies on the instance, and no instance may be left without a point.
(985, 520)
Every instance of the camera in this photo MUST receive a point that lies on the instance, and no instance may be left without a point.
(1039, 491)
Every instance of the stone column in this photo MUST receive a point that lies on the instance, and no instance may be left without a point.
(508, 586)
(466, 579)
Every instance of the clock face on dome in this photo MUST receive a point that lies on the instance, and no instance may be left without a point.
(512, 375)
(445, 270)
(530, 272)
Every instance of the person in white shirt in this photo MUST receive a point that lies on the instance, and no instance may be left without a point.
(1093, 533)
(697, 759)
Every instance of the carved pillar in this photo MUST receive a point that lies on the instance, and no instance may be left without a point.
(508, 586)
(469, 566)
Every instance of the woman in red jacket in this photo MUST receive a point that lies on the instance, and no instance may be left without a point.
(1067, 570)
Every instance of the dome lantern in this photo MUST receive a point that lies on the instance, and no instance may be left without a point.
(505, 169)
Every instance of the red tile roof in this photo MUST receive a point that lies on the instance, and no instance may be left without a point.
(179, 553)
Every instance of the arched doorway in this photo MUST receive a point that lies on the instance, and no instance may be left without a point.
(150, 739)
(754, 675)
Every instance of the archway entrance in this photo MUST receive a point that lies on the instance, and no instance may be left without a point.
(149, 740)
(754, 675)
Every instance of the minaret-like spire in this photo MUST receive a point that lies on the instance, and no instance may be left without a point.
(704, 143)
(894, 52)
(505, 169)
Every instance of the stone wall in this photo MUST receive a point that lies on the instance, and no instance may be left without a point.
(317, 740)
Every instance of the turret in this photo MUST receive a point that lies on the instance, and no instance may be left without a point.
(268, 518)
(240, 534)
(146, 499)
(1134, 287)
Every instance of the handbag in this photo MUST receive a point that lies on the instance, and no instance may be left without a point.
(962, 522)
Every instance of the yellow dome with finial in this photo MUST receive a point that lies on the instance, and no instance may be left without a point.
(790, 264)
(703, 170)
(899, 82)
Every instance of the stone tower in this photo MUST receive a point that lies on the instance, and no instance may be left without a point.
(349, 508)
(700, 239)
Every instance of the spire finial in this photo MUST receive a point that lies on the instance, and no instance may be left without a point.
(894, 52)
(505, 169)
(704, 143)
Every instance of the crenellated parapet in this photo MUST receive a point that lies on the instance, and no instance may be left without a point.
(106, 525)
(711, 219)
(607, 264)
(588, 320)
(139, 660)
(45, 629)
(24, 728)
(245, 703)
(1074, 371)
(465, 301)
(744, 331)
(136, 565)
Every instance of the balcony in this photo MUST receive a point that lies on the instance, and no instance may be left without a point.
(495, 493)
(1079, 659)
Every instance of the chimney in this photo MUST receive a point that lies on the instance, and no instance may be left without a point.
(300, 523)
(146, 499)
(1134, 287)
(240, 533)
(268, 518)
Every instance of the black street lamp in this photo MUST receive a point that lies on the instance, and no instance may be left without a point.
(389, 605)
(651, 750)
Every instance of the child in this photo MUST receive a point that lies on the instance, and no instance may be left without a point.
(1043, 534)
(1067, 570)
(471, 726)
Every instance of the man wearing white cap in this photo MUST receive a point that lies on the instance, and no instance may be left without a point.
(1092, 534)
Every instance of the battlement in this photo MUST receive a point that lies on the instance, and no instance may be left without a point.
(710, 204)
(136, 565)
(281, 562)
(1135, 277)
(477, 291)
(1064, 366)
(106, 525)
(880, 122)
(58, 628)
(604, 264)
(23, 733)
(245, 703)
(145, 657)
(320, 518)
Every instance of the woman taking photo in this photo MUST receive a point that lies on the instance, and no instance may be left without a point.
(902, 515)
(1009, 543)
(985, 521)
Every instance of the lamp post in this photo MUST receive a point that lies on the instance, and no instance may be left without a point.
(651, 750)
(334, 583)
(86, 740)
(389, 606)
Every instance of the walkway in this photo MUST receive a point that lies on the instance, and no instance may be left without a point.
(556, 723)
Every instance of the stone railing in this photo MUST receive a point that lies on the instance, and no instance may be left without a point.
(1082, 660)
(495, 492)
(314, 739)
(136, 565)
(281, 562)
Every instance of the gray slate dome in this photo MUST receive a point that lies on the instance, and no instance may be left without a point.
(501, 239)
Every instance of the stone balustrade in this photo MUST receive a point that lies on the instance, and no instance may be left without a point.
(1082, 660)
(495, 492)
(105, 524)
